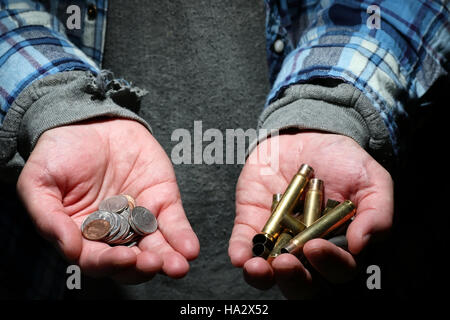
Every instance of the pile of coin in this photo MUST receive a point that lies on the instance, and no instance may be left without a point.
(119, 221)
(297, 217)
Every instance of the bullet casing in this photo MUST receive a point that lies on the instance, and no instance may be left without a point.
(330, 205)
(294, 225)
(288, 202)
(260, 250)
(282, 240)
(330, 221)
(313, 202)
(275, 200)
(262, 238)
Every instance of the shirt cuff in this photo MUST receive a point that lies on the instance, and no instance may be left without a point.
(62, 99)
(332, 106)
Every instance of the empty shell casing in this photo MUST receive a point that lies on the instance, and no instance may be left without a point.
(288, 202)
(294, 225)
(313, 202)
(330, 205)
(261, 238)
(260, 250)
(325, 224)
(282, 240)
(289, 222)
(275, 200)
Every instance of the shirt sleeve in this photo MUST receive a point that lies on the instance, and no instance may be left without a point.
(33, 44)
(47, 81)
(392, 52)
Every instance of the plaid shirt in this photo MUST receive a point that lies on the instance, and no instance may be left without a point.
(34, 42)
(391, 65)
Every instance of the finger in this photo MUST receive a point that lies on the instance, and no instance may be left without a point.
(48, 215)
(174, 265)
(240, 244)
(250, 219)
(172, 220)
(148, 264)
(333, 263)
(99, 259)
(375, 209)
(258, 273)
(178, 232)
(294, 280)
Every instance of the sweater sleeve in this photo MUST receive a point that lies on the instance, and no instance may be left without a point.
(61, 99)
(47, 81)
(392, 53)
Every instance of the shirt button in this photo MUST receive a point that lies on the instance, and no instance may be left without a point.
(92, 11)
(278, 46)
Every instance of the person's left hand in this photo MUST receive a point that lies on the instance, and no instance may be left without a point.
(348, 172)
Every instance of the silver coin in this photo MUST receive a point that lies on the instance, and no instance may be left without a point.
(114, 229)
(124, 228)
(143, 220)
(133, 227)
(126, 213)
(103, 206)
(130, 237)
(114, 204)
(132, 244)
(98, 215)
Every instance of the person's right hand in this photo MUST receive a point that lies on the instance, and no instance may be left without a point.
(72, 168)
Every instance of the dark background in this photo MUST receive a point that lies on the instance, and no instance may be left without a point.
(205, 60)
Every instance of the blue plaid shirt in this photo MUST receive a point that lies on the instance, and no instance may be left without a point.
(391, 65)
(35, 42)
(329, 38)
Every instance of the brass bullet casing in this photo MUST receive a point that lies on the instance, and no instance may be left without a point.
(294, 225)
(313, 202)
(287, 203)
(275, 200)
(261, 238)
(289, 222)
(282, 240)
(330, 205)
(260, 250)
(325, 224)
(264, 239)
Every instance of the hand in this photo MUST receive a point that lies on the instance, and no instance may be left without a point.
(72, 168)
(348, 172)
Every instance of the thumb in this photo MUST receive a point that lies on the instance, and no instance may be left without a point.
(48, 215)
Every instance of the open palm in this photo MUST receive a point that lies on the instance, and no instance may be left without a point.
(348, 172)
(73, 168)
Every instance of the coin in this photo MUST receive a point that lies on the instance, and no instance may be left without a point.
(96, 229)
(114, 204)
(119, 222)
(115, 227)
(131, 201)
(124, 228)
(143, 221)
(97, 215)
